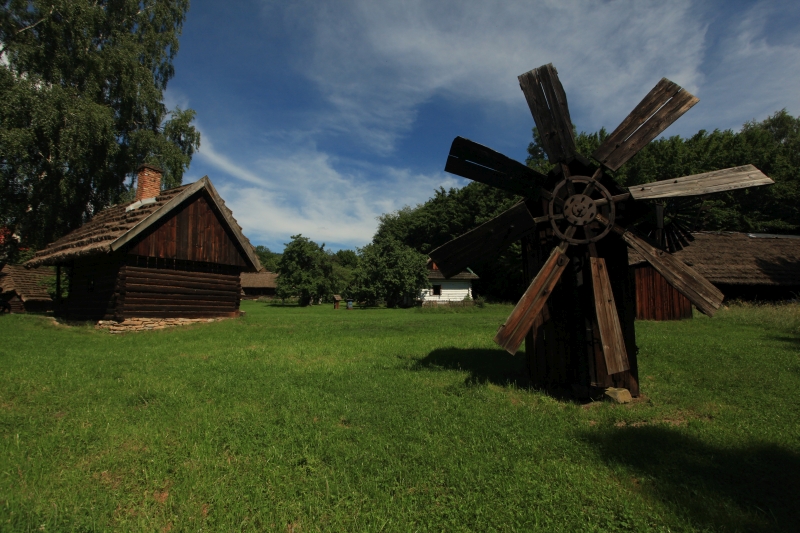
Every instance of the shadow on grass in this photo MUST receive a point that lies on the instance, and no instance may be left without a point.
(484, 365)
(751, 488)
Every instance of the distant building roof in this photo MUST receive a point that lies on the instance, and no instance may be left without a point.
(741, 258)
(26, 283)
(259, 280)
(115, 226)
(435, 274)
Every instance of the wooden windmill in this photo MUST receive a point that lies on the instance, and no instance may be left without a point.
(575, 224)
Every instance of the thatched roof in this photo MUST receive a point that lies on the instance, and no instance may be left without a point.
(435, 275)
(26, 283)
(116, 226)
(259, 280)
(741, 258)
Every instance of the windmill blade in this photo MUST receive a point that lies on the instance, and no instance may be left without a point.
(607, 318)
(708, 182)
(487, 239)
(685, 279)
(519, 322)
(476, 162)
(548, 104)
(662, 106)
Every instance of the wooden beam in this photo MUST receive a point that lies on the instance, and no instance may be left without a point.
(685, 279)
(708, 182)
(607, 319)
(483, 241)
(519, 322)
(548, 104)
(662, 106)
(474, 161)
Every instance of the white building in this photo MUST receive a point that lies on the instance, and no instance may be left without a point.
(453, 289)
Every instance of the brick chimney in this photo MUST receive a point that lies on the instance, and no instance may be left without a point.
(148, 182)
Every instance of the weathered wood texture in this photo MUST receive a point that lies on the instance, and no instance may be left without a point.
(193, 232)
(522, 318)
(708, 182)
(662, 106)
(483, 241)
(474, 161)
(656, 299)
(685, 279)
(161, 292)
(94, 288)
(548, 104)
(613, 343)
(14, 303)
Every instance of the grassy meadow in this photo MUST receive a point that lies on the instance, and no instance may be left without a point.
(309, 419)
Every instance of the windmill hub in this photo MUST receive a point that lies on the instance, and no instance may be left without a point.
(580, 209)
(574, 207)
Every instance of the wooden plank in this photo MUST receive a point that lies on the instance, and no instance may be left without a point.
(144, 297)
(685, 279)
(183, 314)
(168, 272)
(662, 106)
(179, 280)
(474, 161)
(613, 343)
(519, 322)
(488, 238)
(705, 183)
(548, 104)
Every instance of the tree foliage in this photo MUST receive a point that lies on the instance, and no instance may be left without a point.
(81, 106)
(268, 259)
(390, 271)
(305, 270)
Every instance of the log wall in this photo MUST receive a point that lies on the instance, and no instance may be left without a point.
(656, 299)
(168, 293)
(193, 232)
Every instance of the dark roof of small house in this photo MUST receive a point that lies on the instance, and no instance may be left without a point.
(115, 226)
(741, 258)
(464, 274)
(25, 282)
(259, 280)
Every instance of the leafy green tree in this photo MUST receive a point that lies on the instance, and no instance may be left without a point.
(269, 259)
(81, 106)
(391, 271)
(305, 271)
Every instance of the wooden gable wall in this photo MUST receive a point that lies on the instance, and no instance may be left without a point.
(194, 232)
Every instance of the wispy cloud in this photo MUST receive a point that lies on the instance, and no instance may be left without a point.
(309, 192)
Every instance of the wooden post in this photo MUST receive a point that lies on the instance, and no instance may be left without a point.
(58, 284)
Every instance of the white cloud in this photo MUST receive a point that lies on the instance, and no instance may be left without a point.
(376, 62)
(306, 191)
(753, 77)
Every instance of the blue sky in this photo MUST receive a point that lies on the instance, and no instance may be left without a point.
(317, 117)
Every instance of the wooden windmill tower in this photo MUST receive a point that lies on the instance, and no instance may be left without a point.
(575, 224)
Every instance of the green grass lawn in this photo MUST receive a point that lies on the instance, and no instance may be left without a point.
(310, 419)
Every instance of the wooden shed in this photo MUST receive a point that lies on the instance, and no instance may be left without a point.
(178, 254)
(256, 284)
(24, 290)
(747, 266)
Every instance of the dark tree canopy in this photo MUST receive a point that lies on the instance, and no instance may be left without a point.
(81, 106)
(305, 270)
(390, 271)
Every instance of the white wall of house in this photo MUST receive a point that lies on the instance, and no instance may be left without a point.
(452, 291)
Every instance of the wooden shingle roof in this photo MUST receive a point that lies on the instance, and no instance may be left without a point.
(116, 226)
(741, 258)
(28, 284)
(259, 280)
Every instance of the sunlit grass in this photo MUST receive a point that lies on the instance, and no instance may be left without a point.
(309, 419)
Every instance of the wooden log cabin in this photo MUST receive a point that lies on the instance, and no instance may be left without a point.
(744, 266)
(176, 253)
